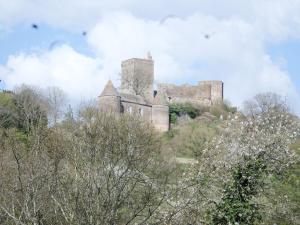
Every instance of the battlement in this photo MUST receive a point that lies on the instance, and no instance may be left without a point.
(204, 93)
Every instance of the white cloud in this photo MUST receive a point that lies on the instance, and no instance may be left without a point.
(78, 75)
(234, 52)
(271, 16)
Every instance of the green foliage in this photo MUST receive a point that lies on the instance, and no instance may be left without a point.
(7, 110)
(6, 99)
(173, 117)
(93, 168)
(188, 140)
(285, 194)
(237, 206)
(180, 109)
(222, 108)
(22, 110)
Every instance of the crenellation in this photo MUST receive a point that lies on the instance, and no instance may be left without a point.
(204, 93)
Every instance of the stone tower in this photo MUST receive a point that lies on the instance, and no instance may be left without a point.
(160, 113)
(138, 76)
(110, 100)
(217, 90)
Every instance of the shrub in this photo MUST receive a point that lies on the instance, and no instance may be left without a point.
(237, 205)
(180, 109)
(222, 108)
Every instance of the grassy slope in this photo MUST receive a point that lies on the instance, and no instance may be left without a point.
(186, 140)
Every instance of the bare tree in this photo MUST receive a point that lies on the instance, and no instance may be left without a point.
(31, 106)
(264, 103)
(135, 83)
(28, 176)
(57, 100)
(101, 170)
(114, 173)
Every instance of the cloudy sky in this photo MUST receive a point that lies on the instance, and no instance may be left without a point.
(253, 45)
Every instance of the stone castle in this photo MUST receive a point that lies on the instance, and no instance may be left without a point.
(137, 96)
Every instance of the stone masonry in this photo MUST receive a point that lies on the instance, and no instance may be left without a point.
(137, 97)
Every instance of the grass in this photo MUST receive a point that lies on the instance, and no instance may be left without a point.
(188, 140)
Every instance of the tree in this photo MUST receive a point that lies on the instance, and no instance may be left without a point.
(102, 169)
(252, 148)
(23, 108)
(264, 103)
(237, 205)
(28, 176)
(113, 171)
(8, 116)
(263, 139)
(31, 108)
(56, 99)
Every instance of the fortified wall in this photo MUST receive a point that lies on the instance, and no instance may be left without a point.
(204, 93)
(137, 97)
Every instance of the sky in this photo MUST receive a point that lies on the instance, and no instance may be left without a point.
(253, 46)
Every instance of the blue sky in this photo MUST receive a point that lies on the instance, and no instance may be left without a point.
(253, 47)
(24, 38)
(289, 51)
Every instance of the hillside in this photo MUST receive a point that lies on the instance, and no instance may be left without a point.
(214, 166)
(189, 135)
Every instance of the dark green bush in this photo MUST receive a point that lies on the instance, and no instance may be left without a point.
(180, 109)
(237, 205)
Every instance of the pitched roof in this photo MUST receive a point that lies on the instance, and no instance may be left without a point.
(109, 90)
(160, 99)
(133, 98)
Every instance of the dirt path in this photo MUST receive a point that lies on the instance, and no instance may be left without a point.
(186, 160)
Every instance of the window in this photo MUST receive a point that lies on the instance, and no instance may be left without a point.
(141, 111)
(129, 110)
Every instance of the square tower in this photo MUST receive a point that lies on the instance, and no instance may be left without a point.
(138, 76)
(217, 90)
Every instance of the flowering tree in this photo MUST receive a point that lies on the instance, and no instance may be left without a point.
(228, 183)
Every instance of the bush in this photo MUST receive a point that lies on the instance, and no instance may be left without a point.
(180, 109)
(222, 108)
(237, 205)
(7, 110)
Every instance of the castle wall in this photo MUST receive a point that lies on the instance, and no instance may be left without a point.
(141, 110)
(110, 104)
(136, 94)
(160, 117)
(138, 75)
(196, 94)
(216, 90)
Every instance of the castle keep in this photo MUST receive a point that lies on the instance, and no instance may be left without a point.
(137, 97)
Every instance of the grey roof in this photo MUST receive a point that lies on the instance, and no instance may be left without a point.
(109, 90)
(133, 98)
